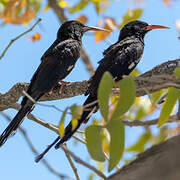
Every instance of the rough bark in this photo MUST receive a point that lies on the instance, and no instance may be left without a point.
(156, 79)
(161, 162)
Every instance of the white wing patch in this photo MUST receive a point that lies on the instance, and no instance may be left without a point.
(70, 67)
(131, 65)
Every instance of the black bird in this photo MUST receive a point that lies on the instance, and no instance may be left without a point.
(56, 63)
(119, 59)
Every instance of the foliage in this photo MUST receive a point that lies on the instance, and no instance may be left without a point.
(105, 139)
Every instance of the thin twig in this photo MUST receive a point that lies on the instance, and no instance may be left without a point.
(12, 41)
(178, 114)
(78, 160)
(45, 105)
(71, 163)
(80, 140)
(173, 118)
(29, 97)
(49, 167)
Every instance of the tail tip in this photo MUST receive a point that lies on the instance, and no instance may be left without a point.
(2, 140)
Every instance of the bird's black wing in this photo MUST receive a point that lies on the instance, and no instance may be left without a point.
(119, 59)
(56, 64)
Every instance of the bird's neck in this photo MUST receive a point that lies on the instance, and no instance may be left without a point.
(136, 36)
(66, 36)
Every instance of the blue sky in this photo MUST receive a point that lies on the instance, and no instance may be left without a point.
(22, 59)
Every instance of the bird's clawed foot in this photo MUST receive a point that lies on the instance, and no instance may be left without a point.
(60, 86)
(63, 83)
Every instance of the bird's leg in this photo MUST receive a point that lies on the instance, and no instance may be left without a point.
(116, 85)
(63, 83)
(51, 91)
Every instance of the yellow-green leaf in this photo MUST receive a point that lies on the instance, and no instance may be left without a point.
(94, 143)
(140, 113)
(163, 134)
(131, 15)
(63, 4)
(135, 72)
(139, 146)
(168, 105)
(2, 8)
(177, 72)
(61, 123)
(116, 130)
(4, 1)
(76, 111)
(156, 96)
(104, 90)
(74, 123)
(36, 4)
(127, 96)
(79, 6)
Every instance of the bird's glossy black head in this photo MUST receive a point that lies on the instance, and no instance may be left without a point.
(70, 30)
(137, 29)
(74, 30)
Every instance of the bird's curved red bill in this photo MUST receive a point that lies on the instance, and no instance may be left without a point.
(91, 28)
(150, 27)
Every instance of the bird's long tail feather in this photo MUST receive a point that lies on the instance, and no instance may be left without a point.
(69, 131)
(14, 124)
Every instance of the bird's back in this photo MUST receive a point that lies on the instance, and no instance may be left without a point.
(119, 59)
(56, 63)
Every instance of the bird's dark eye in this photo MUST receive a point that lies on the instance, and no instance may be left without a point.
(133, 28)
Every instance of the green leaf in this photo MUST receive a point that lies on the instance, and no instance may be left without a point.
(127, 96)
(94, 144)
(74, 123)
(61, 123)
(79, 6)
(36, 4)
(2, 8)
(135, 72)
(97, 7)
(104, 90)
(168, 105)
(76, 111)
(140, 113)
(116, 130)
(139, 145)
(4, 1)
(131, 15)
(163, 134)
(177, 72)
(156, 96)
(91, 176)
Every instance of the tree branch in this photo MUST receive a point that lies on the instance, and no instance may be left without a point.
(12, 96)
(154, 80)
(78, 160)
(159, 162)
(173, 118)
(16, 38)
(71, 163)
(62, 18)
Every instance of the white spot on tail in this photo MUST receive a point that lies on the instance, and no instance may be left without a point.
(70, 67)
